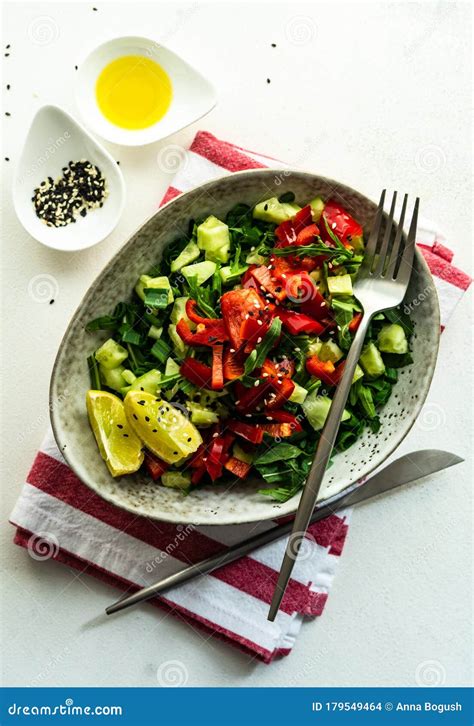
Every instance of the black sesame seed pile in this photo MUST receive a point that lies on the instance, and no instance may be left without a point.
(80, 188)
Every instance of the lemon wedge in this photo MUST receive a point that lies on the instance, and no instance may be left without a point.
(164, 429)
(119, 446)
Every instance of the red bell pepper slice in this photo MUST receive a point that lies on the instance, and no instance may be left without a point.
(282, 390)
(278, 430)
(249, 398)
(355, 322)
(297, 323)
(237, 467)
(155, 466)
(204, 335)
(235, 305)
(198, 373)
(233, 361)
(341, 223)
(253, 330)
(287, 232)
(247, 280)
(326, 371)
(307, 235)
(217, 455)
(198, 474)
(192, 313)
(263, 276)
(250, 432)
(285, 417)
(217, 368)
(286, 367)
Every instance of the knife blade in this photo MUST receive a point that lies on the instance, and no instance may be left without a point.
(406, 469)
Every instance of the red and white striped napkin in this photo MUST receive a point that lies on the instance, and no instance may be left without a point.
(58, 517)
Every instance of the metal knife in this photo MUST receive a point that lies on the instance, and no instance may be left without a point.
(404, 470)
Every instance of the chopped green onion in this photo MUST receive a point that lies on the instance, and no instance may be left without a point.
(156, 297)
(161, 350)
(94, 375)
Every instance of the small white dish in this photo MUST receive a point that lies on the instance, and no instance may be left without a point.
(55, 139)
(193, 95)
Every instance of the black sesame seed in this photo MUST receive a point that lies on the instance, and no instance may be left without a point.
(274, 45)
(6, 55)
(268, 80)
(118, 162)
(135, 417)
(119, 426)
(76, 67)
(189, 439)
(8, 86)
(7, 114)
(51, 302)
(175, 453)
(147, 418)
(7, 159)
(126, 436)
(155, 431)
(7, 46)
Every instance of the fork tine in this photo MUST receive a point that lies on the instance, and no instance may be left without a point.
(397, 245)
(406, 264)
(386, 239)
(374, 234)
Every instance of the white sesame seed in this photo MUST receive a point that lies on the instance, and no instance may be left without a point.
(297, 350)
(283, 276)
(333, 225)
(269, 418)
(231, 350)
(323, 304)
(248, 415)
(259, 322)
(257, 383)
(214, 436)
(259, 340)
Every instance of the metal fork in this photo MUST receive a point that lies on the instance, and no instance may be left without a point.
(381, 283)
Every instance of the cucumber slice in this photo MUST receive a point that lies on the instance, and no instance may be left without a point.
(314, 347)
(149, 382)
(111, 354)
(179, 346)
(317, 206)
(176, 479)
(316, 410)
(299, 394)
(190, 253)
(201, 416)
(340, 285)
(155, 332)
(202, 271)
(330, 351)
(113, 377)
(129, 376)
(271, 210)
(213, 237)
(171, 367)
(157, 283)
(179, 311)
(358, 373)
(371, 361)
(392, 339)
(228, 277)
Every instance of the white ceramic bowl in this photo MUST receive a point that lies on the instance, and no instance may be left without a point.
(193, 95)
(241, 502)
(54, 139)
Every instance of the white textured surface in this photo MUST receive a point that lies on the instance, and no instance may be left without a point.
(379, 102)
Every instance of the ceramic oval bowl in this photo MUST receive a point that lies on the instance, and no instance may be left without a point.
(241, 502)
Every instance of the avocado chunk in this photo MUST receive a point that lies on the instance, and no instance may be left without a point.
(371, 361)
(111, 354)
(340, 285)
(213, 237)
(271, 210)
(202, 271)
(392, 339)
(358, 373)
(316, 409)
(155, 283)
(189, 254)
(317, 206)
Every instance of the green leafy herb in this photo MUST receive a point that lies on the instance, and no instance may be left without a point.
(279, 452)
(260, 352)
(94, 375)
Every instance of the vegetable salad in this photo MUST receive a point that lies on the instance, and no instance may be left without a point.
(225, 360)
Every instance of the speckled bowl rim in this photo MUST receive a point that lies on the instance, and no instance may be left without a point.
(293, 503)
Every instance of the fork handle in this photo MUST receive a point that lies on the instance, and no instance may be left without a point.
(318, 467)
